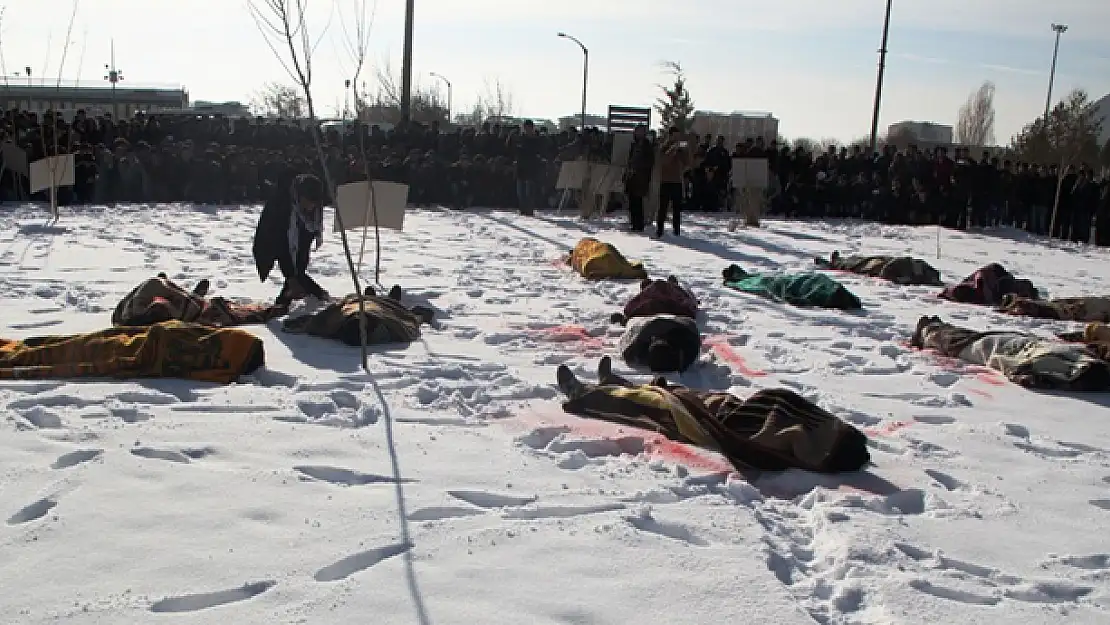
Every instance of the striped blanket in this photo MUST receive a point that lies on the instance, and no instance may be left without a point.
(172, 349)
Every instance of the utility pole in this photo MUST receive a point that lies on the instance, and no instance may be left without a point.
(1059, 29)
(406, 71)
(113, 76)
(879, 81)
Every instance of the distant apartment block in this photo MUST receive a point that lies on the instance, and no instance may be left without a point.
(574, 121)
(924, 132)
(94, 98)
(737, 126)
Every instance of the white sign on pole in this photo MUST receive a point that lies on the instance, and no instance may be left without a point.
(52, 172)
(572, 175)
(352, 204)
(750, 173)
(15, 158)
(622, 146)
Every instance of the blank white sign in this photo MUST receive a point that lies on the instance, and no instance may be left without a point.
(352, 203)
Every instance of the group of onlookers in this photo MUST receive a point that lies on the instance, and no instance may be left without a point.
(218, 160)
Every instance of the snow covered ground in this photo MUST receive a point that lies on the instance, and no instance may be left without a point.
(448, 487)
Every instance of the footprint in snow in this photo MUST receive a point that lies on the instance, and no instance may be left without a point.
(202, 601)
(361, 561)
(75, 458)
(345, 477)
(33, 511)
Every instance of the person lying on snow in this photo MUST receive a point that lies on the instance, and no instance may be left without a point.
(1095, 335)
(662, 343)
(987, 285)
(1087, 309)
(772, 430)
(159, 299)
(904, 270)
(291, 220)
(1025, 359)
(809, 290)
(388, 321)
(659, 297)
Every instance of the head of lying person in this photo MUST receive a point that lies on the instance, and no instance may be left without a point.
(662, 357)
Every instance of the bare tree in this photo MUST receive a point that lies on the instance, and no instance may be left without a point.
(975, 122)
(494, 102)
(384, 105)
(284, 26)
(57, 166)
(277, 100)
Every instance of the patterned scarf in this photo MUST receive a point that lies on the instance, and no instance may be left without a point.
(297, 219)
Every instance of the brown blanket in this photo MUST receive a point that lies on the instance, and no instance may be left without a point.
(1085, 309)
(773, 430)
(387, 321)
(159, 299)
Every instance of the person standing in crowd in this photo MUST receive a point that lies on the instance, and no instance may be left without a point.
(291, 220)
(524, 146)
(637, 183)
(675, 159)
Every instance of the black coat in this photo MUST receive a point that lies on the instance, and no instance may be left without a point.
(271, 237)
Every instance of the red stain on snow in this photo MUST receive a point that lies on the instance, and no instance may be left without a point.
(980, 392)
(567, 334)
(719, 345)
(889, 428)
(656, 445)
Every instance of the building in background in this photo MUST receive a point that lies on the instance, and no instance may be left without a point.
(227, 109)
(735, 127)
(574, 121)
(924, 133)
(94, 98)
(1102, 112)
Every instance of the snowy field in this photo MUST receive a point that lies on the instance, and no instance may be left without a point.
(449, 488)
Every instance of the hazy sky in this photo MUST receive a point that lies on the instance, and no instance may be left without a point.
(810, 62)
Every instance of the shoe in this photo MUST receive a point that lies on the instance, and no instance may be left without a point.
(604, 369)
(201, 289)
(424, 314)
(369, 291)
(162, 275)
(395, 293)
(568, 384)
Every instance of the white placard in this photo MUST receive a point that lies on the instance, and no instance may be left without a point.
(15, 158)
(622, 146)
(53, 171)
(353, 205)
(606, 178)
(749, 173)
(572, 175)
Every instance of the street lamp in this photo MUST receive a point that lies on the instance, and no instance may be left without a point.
(585, 73)
(1059, 29)
(448, 82)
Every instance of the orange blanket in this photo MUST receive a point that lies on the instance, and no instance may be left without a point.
(172, 349)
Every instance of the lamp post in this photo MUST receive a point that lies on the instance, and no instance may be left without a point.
(406, 69)
(879, 80)
(113, 76)
(585, 74)
(1059, 29)
(448, 83)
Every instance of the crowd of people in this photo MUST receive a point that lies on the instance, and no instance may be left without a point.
(219, 160)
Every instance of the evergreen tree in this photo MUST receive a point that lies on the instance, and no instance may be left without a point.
(675, 107)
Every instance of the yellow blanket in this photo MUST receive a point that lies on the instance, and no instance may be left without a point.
(172, 349)
(596, 260)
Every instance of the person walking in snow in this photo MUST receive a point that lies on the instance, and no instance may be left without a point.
(291, 220)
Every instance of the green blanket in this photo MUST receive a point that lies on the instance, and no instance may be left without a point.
(801, 289)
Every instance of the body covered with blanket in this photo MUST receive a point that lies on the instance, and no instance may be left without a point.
(1087, 309)
(171, 349)
(773, 430)
(388, 321)
(662, 343)
(809, 290)
(159, 299)
(987, 285)
(1025, 359)
(659, 297)
(904, 270)
(596, 260)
